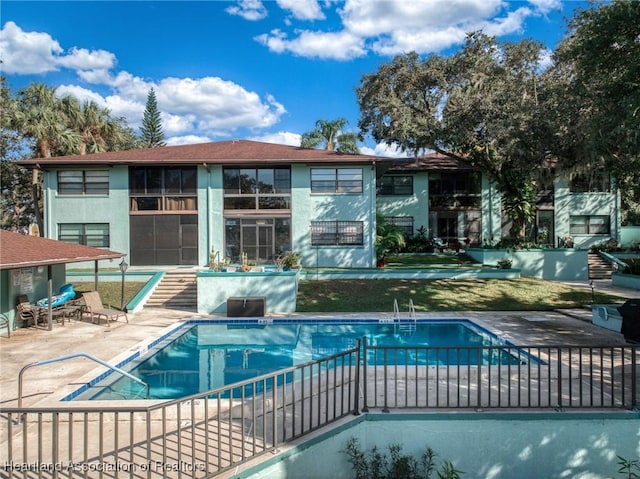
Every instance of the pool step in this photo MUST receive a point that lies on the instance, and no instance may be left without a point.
(175, 291)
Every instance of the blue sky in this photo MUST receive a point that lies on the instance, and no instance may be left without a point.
(250, 69)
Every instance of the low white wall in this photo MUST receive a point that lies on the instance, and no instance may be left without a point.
(483, 445)
(559, 264)
(279, 289)
(629, 235)
(625, 280)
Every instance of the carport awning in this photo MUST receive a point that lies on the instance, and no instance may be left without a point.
(22, 251)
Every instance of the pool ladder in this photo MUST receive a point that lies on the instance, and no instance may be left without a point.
(407, 327)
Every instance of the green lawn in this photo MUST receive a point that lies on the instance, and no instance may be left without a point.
(111, 291)
(358, 295)
(442, 295)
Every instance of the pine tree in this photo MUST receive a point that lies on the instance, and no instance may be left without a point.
(152, 135)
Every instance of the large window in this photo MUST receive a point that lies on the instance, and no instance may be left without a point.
(83, 182)
(88, 234)
(403, 223)
(336, 180)
(589, 225)
(257, 188)
(169, 189)
(395, 185)
(454, 190)
(327, 233)
(595, 181)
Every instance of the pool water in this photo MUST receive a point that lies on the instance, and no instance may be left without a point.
(200, 357)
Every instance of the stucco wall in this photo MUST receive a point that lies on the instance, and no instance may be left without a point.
(558, 264)
(279, 289)
(482, 445)
(307, 207)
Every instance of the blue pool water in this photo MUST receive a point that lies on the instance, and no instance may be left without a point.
(202, 356)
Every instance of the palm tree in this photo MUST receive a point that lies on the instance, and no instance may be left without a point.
(39, 115)
(329, 134)
(94, 125)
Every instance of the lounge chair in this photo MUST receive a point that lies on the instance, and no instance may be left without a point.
(28, 312)
(94, 308)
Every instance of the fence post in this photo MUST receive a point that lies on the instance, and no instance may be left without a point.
(364, 373)
(634, 378)
(356, 405)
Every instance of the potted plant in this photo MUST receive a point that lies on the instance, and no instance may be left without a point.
(290, 260)
(504, 263)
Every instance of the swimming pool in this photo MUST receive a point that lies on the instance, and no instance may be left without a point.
(203, 355)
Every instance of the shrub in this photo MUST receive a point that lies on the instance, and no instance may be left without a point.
(378, 465)
(633, 266)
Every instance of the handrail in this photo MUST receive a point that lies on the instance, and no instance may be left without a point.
(412, 310)
(616, 263)
(71, 356)
(396, 310)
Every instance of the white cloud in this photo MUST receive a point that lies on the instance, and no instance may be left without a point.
(187, 140)
(82, 94)
(382, 149)
(391, 27)
(27, 52)
(280, 138)
(302, 9)
(251, 10)
(86, 60)
(338, 46)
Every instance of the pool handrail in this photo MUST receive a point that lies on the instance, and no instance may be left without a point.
(71, 356)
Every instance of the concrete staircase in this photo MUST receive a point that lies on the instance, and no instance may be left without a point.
(599, 268)
(175, 291)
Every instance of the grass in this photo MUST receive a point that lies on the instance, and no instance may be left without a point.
(358, 295)
(111, 291)
(524, 294)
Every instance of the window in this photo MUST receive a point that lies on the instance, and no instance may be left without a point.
(336, 180)
(404, 223)
(454, 190)
(88, 234)
(395, 185)
(83, 182)
(257, 188)
(589, 225)
(332, 233)
(596, 181)
(169, 189)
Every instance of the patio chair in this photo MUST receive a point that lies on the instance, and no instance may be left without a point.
(28, 312)
(4, 323)
(96, 311)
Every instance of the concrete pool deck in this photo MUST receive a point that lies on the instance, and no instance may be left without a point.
(29, 345)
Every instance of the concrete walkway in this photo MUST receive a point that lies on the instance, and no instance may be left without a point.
(30, 345)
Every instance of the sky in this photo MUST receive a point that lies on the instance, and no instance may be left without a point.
(248, 69)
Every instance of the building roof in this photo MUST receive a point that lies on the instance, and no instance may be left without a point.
(223, 152)
(23, 251)
(430, 162)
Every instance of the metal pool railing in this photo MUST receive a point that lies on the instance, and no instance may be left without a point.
(503, 376)
(206, 434)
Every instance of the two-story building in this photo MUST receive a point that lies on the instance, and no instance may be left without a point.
(455, 202)
(172, 206)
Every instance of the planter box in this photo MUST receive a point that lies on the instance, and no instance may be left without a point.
(625, 280)
(566, 264)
